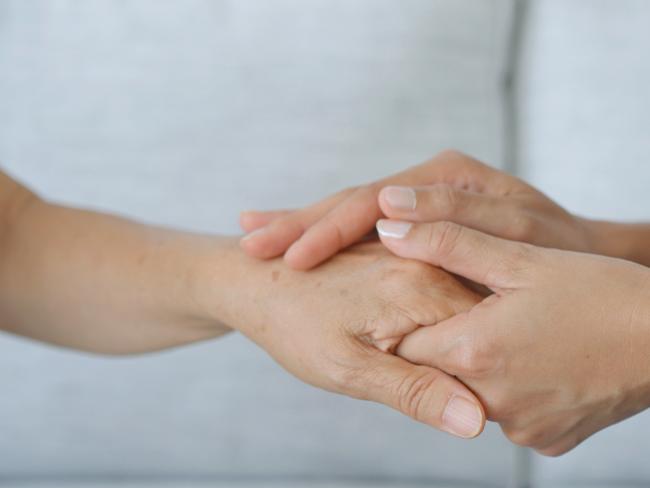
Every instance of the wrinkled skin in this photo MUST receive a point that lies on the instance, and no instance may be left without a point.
(334, 327)
(558, 352)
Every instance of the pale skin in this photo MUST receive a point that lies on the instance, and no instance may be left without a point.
(558, 351)
(451, 187)
(104, 284)
(559, 348)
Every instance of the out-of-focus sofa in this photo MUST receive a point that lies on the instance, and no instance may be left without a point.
(184, 113)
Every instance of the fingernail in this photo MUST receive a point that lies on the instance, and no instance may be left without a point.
(462, 417)
(256, 232)
(393, 228)
(400, 197)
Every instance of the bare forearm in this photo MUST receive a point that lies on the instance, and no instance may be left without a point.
(626, 241)
(100, 283)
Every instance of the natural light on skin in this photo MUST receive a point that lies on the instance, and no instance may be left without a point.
(104, 284)
(541, 308)
(451, 186)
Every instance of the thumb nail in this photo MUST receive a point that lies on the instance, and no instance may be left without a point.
(462, 417)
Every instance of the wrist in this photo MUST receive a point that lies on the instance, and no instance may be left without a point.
(15, 201)
(619, 240)
(225, 284)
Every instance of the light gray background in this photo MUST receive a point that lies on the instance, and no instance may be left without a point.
(584, 105)
(183, 113)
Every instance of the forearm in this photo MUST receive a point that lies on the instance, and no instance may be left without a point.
(100, 283)
(626, 241)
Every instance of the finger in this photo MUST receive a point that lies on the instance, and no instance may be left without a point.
(344, 225)
(434, 203)
(355, 215)
(491, 261)
(439, 346)
(251, 220)
(273, 239)
(425, 394)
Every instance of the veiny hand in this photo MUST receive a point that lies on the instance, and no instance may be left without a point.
(558, 352)
(451, 186)
(336, 326)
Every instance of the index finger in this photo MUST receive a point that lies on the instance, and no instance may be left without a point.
(342, 226)
(355, 216)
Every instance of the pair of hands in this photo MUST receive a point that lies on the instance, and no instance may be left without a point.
(554, 353)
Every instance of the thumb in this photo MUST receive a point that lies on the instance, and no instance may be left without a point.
(425, 394)
(488, 260)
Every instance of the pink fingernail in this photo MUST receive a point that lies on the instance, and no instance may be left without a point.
(400, 197)
(393, 228)
(462, 417)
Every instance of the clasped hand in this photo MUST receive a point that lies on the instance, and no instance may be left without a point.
(554, 349)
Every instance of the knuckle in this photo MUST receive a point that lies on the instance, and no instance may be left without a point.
(367, 191)
(442, 238)
(413, 392)
(524, 253)
(516, 264)
(347, 380)
(555, 450)
(405, 272)
(451, 153)
(350, 372)
(475, 359)
(444, 199)
(521, 437)
(459, 158)
(527, 434)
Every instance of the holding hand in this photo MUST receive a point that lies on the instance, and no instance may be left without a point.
(558, 352)
(451, 186)
(104, 284)
(337, 327)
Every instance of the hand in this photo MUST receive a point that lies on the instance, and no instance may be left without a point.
(558, 352)
(460, 189)
(335, 327)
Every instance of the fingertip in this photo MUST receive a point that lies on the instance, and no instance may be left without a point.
(397, 200)
(248, 220)
(393, 229)
(384, 206)
(251, 220)
(263, 243)
(464, 416)
(382, 200)
(252, 245)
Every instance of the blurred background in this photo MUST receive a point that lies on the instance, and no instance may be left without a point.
(185, 112)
